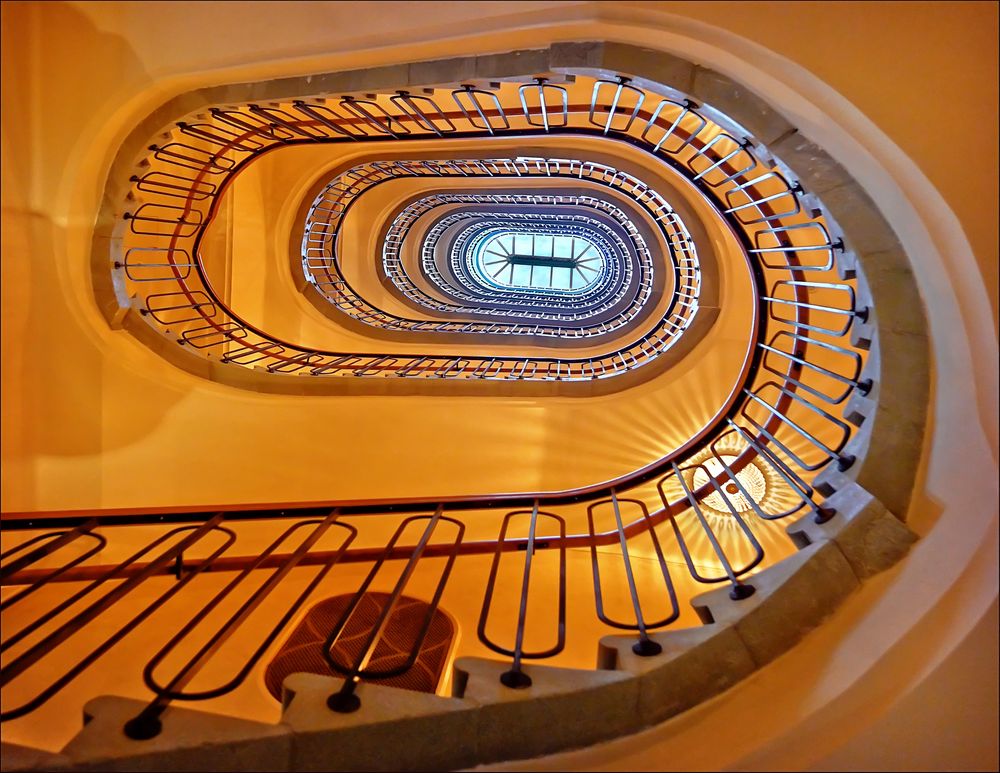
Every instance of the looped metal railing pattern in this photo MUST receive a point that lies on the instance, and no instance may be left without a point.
(782, 420)
(467, 289)
(161, 244)
(321, 264)
(465, 243)
(461, 282)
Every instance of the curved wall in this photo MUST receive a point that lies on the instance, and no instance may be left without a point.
(76, 439)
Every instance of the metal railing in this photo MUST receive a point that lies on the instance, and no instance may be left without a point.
(201, 629)
(160, 245)
(321, 263)
(705, 500)
(463, 285)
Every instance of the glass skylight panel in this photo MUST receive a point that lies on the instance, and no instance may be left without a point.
(540, 261)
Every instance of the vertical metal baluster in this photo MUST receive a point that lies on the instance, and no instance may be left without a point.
(645, 647)
(820, 514)
(614, 107)
(516, 678)
(739, 590)
(148, 720)
(344, 701)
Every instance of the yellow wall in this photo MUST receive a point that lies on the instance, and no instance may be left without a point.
(122, 428)
(115, 430)
(915, 69)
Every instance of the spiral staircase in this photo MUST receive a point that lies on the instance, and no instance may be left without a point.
(723, 337)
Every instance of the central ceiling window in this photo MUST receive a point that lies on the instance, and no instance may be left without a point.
(539, 261)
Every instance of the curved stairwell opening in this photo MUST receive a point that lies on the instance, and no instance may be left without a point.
(759, 370)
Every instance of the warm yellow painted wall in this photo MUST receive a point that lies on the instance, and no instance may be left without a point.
(272, 190)
(115, 427)
(55, 145)
(121, 428)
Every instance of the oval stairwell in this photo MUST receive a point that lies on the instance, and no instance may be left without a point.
(634, 353)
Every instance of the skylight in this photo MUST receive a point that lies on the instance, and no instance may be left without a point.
(540, 261)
